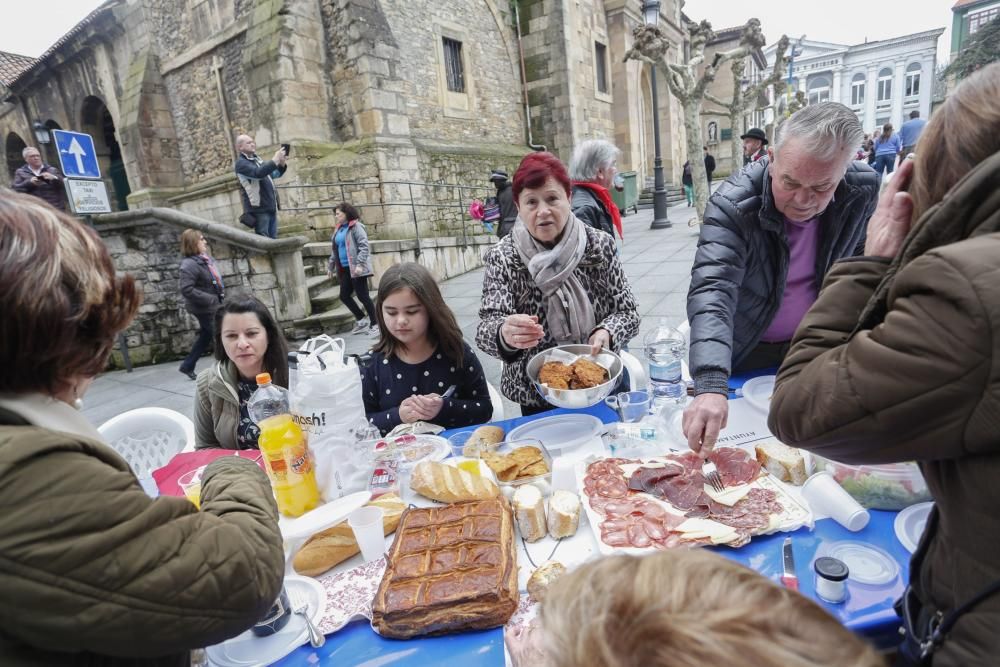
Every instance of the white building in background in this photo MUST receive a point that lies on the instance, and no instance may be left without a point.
(881, 81)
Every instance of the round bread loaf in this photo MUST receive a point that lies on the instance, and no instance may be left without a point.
(540, 579)
(485, 438)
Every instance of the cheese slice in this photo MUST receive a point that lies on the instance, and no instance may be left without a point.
(696, 529)
(729, 497)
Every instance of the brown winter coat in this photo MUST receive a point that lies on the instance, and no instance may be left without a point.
(217, 407)
(95, 572)
(921, 381)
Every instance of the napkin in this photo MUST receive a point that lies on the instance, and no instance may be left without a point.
(167, 476)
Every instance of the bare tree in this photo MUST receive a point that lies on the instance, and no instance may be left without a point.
(751, 98)
(688, 86)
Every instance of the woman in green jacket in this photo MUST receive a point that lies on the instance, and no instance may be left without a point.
(94, 571)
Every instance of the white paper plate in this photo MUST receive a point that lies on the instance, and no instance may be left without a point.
(325, 516)
(560, 431)
(909, 524)
(867, 564)
(758, 392)
(249, 650)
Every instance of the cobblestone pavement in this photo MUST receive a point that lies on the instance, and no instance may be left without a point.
(658, 262)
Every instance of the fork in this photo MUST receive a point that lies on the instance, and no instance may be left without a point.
(316, 638)
(711, 474)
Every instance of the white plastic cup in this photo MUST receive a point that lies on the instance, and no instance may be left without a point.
(563, 474)
(826, 496)
(366, 522)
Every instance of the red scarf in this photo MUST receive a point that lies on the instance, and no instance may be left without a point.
(604, 196)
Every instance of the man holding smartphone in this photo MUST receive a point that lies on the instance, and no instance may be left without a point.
(260, 198)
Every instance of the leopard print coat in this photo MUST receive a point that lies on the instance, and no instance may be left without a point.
(508, 289)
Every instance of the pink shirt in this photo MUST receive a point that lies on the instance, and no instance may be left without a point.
(800, 288)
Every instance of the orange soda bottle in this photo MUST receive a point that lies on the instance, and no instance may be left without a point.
(287, 458)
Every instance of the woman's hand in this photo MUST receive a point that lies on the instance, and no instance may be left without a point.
(525, 645)
(329, 274)
(598, 340)
(420, 408)
(358, 270)
(893, 216)
(522, 332)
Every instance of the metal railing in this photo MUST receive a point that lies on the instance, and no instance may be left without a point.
(447, 197)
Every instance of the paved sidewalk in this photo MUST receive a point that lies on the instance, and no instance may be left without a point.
(658, 263)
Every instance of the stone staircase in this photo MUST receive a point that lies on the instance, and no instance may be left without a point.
(329, 314)
(675, 196)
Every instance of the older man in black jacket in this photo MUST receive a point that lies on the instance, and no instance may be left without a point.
(769, 236)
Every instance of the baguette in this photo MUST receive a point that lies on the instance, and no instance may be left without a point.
(784, 462)
(335, 545)
(564, 514)
(483, 439)
(529, 509)
(448, 484)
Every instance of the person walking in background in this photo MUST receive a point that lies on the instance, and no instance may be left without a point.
(593, 168)
(687, 180)
(887, 147)
(202, 289)
(504, 211)
(260, 199)
(419, 356)
(709, 166)
(909, 133)
(350, 262)
(754, 145)
(94, 571)
(247, 342)
(42, 180)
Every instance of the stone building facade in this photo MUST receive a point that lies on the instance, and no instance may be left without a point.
(882, 81)
(387, 96)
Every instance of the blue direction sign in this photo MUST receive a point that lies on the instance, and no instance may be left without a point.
(76, 154)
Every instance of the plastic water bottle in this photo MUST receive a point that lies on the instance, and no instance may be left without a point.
(268, 400)
(664, 347)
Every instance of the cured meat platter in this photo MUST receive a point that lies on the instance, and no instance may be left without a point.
(636, 505)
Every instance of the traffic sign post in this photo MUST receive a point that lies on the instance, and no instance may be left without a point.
(77, 155)
(87, 197)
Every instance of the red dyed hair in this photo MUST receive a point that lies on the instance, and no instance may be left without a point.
(535, 169)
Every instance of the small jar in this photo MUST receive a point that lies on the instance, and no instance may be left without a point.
(276, 617)
(831, 579)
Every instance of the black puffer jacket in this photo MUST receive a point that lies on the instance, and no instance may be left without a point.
(742, 263)
(591, 211)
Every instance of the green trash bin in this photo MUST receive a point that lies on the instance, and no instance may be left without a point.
(629, 197)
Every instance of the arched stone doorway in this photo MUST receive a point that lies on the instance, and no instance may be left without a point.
(96, 121)
(12, 148)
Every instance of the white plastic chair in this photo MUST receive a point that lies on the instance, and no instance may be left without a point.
(497, 400)
(636, 371)
(148, 437)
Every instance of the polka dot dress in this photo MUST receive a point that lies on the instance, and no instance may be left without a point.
(386, 382)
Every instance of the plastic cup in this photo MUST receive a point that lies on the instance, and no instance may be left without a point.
(632, 406)
(563, 474)
(190, 483)
(458, 441)
(826, 496)
(366, 522)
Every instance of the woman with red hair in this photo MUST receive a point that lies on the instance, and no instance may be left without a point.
(552, 281)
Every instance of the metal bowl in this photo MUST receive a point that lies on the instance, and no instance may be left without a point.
(576, 398)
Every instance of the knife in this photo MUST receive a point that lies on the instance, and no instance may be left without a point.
(788, 578)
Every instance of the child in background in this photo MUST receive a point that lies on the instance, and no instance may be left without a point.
(478, 212)
(419, 356)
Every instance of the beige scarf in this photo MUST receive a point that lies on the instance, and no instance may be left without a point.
(568, 310)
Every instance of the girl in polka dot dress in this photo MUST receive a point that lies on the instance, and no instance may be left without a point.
(419, 357)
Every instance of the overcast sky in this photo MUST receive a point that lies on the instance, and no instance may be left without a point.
(29, 28)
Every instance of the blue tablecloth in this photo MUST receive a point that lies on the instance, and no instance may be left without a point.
(867, 611)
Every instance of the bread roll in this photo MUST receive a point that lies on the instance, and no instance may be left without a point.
(335, 545)
(529, 510)
(538, 582)
(564, 514)
(449, 484)
(784, 462)
(483, 439)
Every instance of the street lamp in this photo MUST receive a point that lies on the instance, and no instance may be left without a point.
(651, 14)
(41, 133)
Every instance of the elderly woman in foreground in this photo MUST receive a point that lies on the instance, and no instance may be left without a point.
(93, 571)
(552, 281)
(898, 359)
(680, 608)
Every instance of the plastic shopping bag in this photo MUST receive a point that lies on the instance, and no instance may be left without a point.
(327, 403)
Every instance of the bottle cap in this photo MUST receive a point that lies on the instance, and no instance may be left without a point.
(263, 378)
(831, 568)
